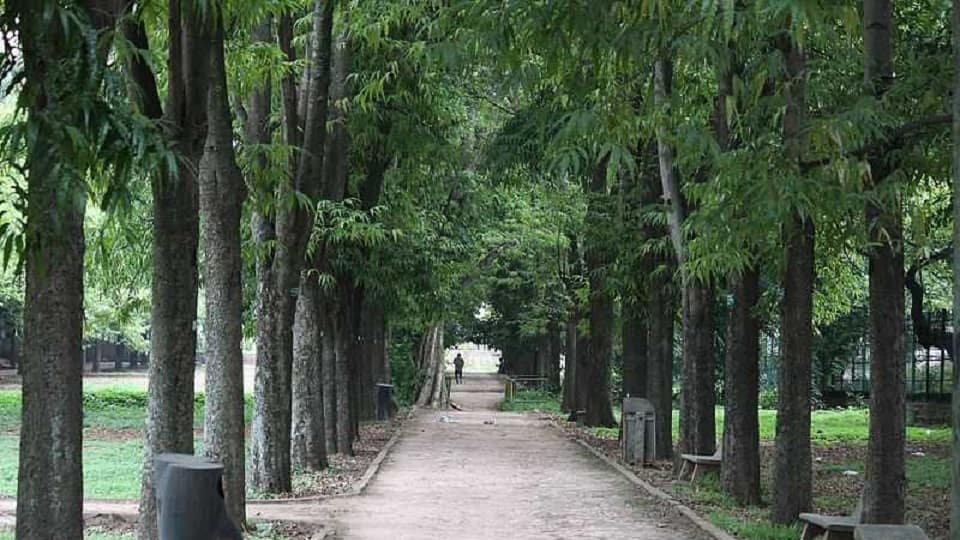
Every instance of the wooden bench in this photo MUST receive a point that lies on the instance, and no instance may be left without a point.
(831, 527)
(694, 466)
(889, 532)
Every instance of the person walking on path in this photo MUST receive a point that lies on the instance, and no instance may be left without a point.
(458, 368)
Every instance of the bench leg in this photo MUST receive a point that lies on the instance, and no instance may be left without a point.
(682, 475)
(838, 535)
(696, 473)
(811, 531)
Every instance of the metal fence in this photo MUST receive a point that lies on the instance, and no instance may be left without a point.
(514, 384)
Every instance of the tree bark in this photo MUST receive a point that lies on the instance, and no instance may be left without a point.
(272, 419)
(792, 464)
(570, 362)
(50, 479)
(554, 346)
(740, 471)
(598, 260)
(697, 418)
(431, 362)
(342, 380)
(308, 444)
(955, 484)
(582, 384)
(698, 430)
(173, 317)
(885, 478)
(661, 313)
(50, 484)
(373, 343)
(328, 362)
(634, 333)
(221, 202)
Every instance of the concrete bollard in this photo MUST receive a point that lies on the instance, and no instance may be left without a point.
(190, 503)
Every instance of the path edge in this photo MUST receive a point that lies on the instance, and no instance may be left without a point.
(360, 485)
(697, 520)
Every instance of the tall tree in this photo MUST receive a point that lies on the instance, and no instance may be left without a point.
(661, 314)
(221, 201)
(659, 305)
(344, 297)
(280, 269)
(173, 334)
(955, 484)
(740, 471)
(885, 483)
(598, 260)
(793, 480)
(62, 71)
(697, 422)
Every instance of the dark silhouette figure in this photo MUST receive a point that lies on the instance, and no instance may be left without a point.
(458, 368)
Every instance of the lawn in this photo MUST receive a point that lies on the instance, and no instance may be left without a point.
(113, 419)
(826, 426)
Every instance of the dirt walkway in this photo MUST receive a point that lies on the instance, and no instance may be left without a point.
(472, 474)
(481, 473)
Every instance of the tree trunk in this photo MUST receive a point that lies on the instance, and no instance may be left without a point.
(431, 362)
(582, 383)
(341, 341)
(50, 479)
(697, 422)
(221, 202)
(328, 363)
(634, 352)
(553, 357)
(97, 356)
(371, 365)
(598, 259)
(698, 430)
(740, 472)
(661, 314)
(885, 478)
(308, 444)
(598, 408)
(955, 484)
(271, 428)
(792, 464)
(50, 485)
(570, 362)
(173, 317)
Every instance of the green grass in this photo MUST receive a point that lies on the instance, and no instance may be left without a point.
(754, 527)
(924, 471)
(111, 466)
(827, 426)
(532, 400)
(108, 407)
(753, 523)
(111, 469)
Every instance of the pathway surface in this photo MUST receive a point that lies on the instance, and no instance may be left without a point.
(484, 474)
(472, 474)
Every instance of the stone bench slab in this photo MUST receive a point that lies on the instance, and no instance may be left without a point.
(831, 523)
(702, 460)
(889, 532)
